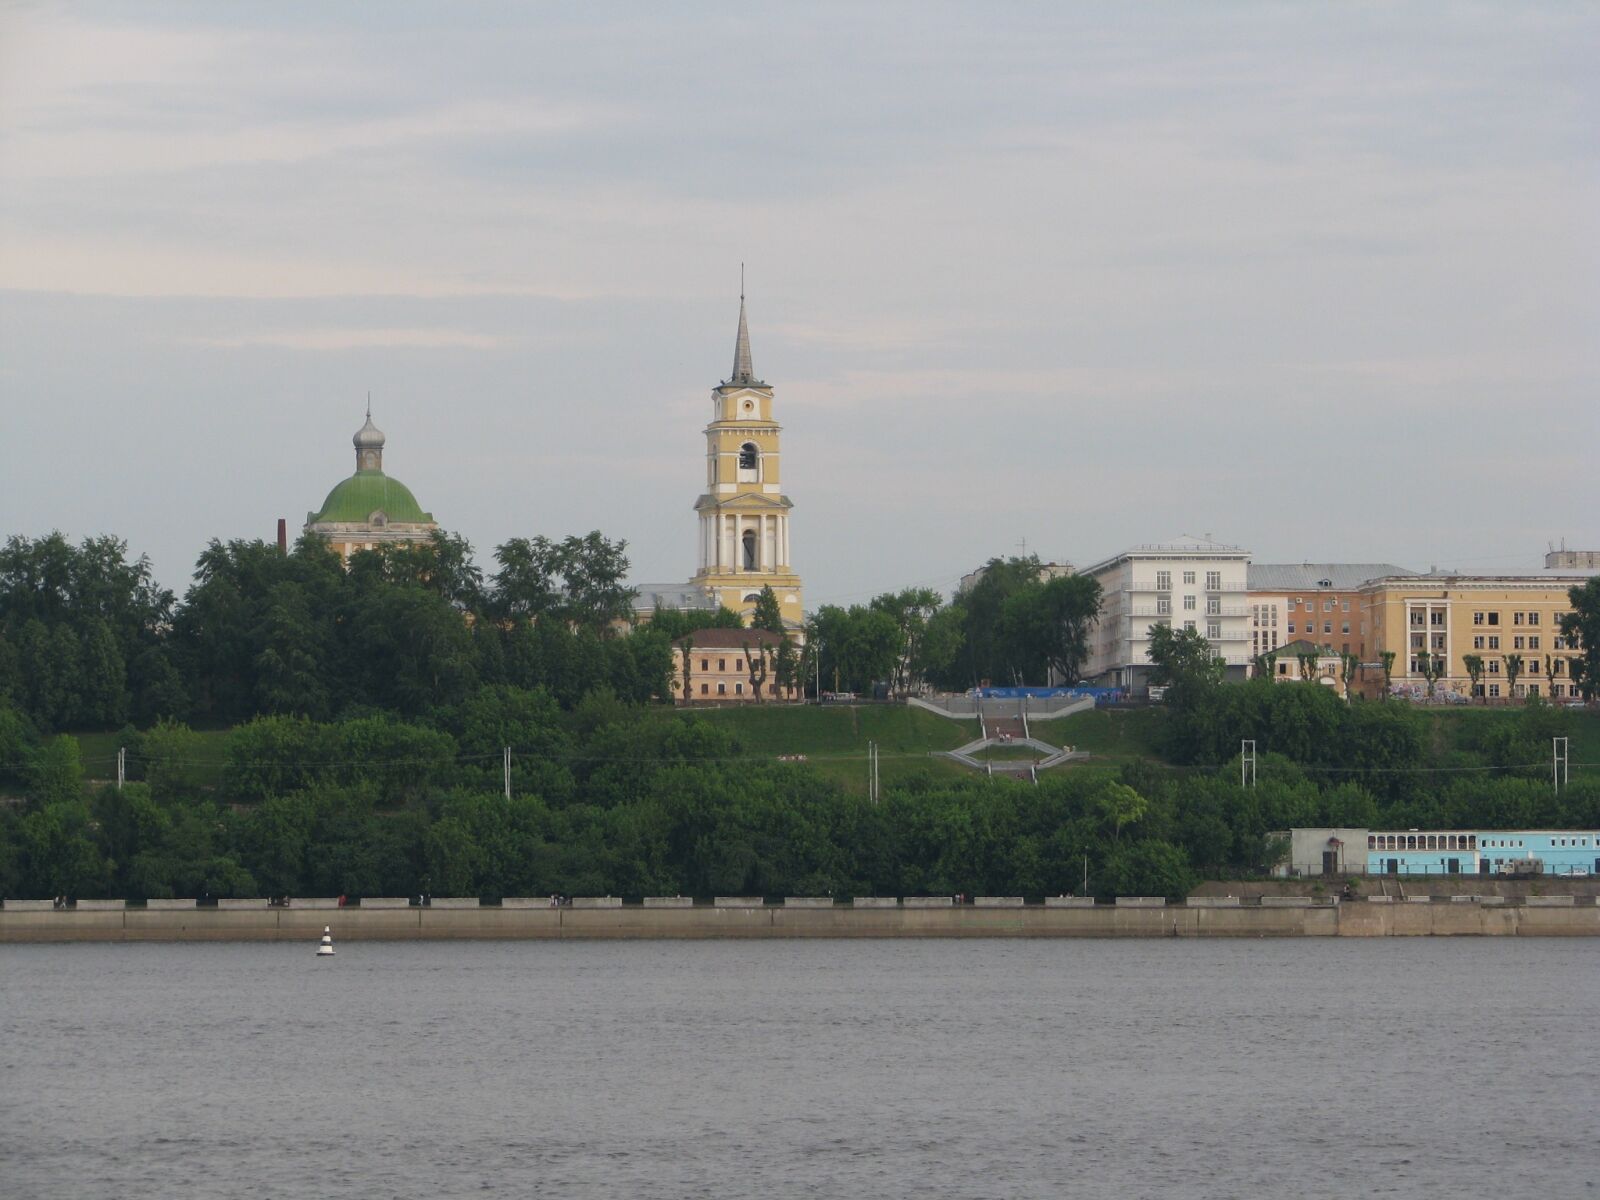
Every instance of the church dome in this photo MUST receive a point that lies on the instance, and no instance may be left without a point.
(369, 436)
(355, 500)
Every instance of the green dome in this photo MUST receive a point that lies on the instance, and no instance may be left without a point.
(354, 501)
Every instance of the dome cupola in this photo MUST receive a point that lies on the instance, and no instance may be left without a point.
(368, 442)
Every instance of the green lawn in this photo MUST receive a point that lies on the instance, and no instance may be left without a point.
(98, 752)
(1104, 732)
(836, 730)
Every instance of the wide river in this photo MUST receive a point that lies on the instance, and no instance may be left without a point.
(1324, 1068)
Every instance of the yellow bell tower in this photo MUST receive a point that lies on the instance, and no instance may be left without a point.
(744, 515)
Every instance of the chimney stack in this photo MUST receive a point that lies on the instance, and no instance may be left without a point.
(283, 536)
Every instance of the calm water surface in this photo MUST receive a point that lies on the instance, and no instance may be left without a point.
(896, 1068)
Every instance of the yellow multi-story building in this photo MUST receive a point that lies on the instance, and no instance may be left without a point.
(1497, 617)
(744, 515)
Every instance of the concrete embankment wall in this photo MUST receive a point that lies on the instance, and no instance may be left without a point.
(841, 921)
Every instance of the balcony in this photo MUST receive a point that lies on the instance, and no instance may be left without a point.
(1231, 635)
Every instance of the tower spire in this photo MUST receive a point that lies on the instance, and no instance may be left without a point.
(743, 371)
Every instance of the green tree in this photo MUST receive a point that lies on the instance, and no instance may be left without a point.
(1387, 659)
(1182, 658)
(56, 774)
(1474, 666)
(1581, 630)
(1349, 670)
(103, 696)
(1514, 665)
(767, 615)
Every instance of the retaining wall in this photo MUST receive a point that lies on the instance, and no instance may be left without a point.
(886, 918)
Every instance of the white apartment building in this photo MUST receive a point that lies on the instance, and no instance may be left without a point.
(1193, 583)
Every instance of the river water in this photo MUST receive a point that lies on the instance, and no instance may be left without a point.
(1403, 1067)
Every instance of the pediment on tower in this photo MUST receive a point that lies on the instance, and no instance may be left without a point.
(744, 502)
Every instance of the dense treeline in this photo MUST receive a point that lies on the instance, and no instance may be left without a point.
(1012, 626)
(608, 798)
(88, 641)
(373, 704)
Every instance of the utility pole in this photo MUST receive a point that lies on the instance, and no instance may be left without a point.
(122, 766)
(507, 766)
(1558, 762)
(1085, 875)
(1247, 763)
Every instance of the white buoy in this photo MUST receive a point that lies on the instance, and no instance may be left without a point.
(326, 949)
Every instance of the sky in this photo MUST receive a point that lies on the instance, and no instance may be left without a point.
(1321, 282)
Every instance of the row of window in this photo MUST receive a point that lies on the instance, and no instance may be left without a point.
(1311, 605)
(722, 664)
(722, 689)
(1517, 618)
(1516, 843)
(1327, 627)
(1492, 642)
(1164, 580)
(1422, 841)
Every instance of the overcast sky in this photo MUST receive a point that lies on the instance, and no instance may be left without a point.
(1323, 283)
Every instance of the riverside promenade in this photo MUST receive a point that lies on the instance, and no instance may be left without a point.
(934, 917)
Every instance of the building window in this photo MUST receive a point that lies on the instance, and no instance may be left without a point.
(738, 664)
(1345, 628)
(750, 550)
(1494, 689)
(738, 689)
(1188, 603)
(1494, 641)
(1494, 618)
(1344, 606)
(705, 689)
(1213, 581)
(1291, 627)
(1516, 618)
(1533, 618)
(1436, 617)
(1516, 643)
(722, 664)
(705, 664)
(1477, 618)
(1477, 643)
(1163, 581)
(1188, 577)
(1213, 630)
(1188, 624)
(1163, 605)
(1494, 666)
(722, 689)
(1533, 642)
(1213, 607)
(749, 463)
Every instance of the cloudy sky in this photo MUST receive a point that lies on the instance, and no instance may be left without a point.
(1324, 284)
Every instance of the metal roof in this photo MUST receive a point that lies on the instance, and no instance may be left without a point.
(1310, 577)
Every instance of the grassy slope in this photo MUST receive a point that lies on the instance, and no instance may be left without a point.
(1116, 733)
(834, 739)
(98, 752)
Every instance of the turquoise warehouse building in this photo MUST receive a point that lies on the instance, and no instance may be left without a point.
(1550, 852)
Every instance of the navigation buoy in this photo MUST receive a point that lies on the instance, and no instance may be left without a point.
(326, 949)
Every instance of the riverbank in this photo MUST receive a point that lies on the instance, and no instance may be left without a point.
(1544, 917)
